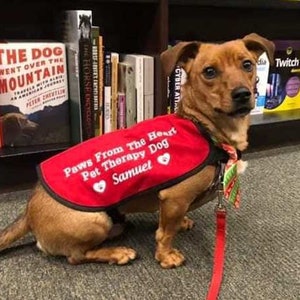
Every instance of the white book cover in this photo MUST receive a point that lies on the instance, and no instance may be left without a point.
(34, 88)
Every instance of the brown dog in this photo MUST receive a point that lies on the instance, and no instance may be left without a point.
(17, 129)
(219, 94)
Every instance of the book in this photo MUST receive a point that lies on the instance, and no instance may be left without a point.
(283, 85)
(126, 84)
(96, 88)
(121, 116)
(107, 93)
(175, 81)
(101, 83)
(137, 63)
(262, 73)
(114, 90)
(148, 86)
(34, 102)
(76, 31)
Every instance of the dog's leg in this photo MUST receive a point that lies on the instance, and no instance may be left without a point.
(113, 255)
(62, 231)
(171, 219)
(174, 204)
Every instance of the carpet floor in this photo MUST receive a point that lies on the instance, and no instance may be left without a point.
(262, 248)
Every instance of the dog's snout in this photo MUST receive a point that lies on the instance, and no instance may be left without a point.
(241, 95)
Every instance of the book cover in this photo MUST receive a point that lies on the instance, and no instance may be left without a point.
(127, 86)
(283, 87)
(34, 102)
(76, 31)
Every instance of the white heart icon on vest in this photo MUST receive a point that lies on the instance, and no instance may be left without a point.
(100, 186)
(164, 159)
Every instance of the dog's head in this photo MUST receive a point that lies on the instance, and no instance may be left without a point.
(221, 77)
(220, 87)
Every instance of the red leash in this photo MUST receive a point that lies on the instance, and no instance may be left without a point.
(219, 254)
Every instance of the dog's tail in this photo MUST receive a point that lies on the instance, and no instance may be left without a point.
(14, 231)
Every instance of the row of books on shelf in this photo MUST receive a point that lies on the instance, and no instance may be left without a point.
(70, 90)
(73, 89)
(277, 85)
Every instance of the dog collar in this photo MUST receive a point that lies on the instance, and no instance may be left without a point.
(230, 179)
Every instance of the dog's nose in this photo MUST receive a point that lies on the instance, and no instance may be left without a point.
(241, 95)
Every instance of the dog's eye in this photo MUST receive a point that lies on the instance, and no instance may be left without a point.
(247, 65)
(209, 73)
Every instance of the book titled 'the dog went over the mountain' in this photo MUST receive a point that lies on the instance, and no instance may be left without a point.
(34, 106)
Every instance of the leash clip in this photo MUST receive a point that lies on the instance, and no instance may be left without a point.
(220, 207)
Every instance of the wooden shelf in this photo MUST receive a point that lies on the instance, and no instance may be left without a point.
(17, 151)
(269, 135)
(275, 117)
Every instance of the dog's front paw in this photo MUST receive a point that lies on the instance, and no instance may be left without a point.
(122, 255)
(170, 259)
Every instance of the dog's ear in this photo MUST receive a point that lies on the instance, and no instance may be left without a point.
(180, 54)
(259, 44)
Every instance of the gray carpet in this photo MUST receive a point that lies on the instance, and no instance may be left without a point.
(262, 255)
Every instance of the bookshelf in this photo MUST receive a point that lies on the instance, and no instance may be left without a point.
(215, 20)
(146, 26)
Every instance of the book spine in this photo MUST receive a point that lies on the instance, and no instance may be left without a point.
(169, 80)
(107, 92)
(127, 86)
(148, 87)
(168, 94)
(70, 38)
(114, 89)
(175, 89)
(121, 110)
(101, 84)
(139, 82)
(76, 32)
(86, 86)
(95, 51)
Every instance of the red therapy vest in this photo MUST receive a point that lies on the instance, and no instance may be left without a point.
(107, 170)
